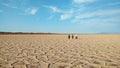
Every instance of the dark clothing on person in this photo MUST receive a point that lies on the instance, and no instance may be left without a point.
(72, 36)
(76, 37)
(68, 36)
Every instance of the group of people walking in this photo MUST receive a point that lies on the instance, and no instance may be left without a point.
(73, 36)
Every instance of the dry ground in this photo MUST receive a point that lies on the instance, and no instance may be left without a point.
(56, 51)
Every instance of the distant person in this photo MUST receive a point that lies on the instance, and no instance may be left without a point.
(72, 36)
(76, 36)
(69, 36)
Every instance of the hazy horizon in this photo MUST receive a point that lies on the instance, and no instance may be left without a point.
(57, 32)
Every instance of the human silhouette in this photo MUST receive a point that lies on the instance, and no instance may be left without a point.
(76, 36)
(69, 36)
(72, 36)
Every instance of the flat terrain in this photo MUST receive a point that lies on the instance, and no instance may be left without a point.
(57, 51)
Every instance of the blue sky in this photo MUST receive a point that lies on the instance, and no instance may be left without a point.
(60, 16)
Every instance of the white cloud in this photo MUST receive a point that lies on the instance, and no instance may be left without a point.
(99, 15)
(31, 11)
(82, 1)
(53, 8)
(9, 6)
(80, 14)
(65, 16)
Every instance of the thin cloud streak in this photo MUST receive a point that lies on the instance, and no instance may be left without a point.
(115, 3)
(83, 1)
(9, 6)
(108, 16)
(98, 13)
(53, 8)
(99, 20)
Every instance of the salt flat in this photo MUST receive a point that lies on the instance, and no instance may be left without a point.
(57, 51)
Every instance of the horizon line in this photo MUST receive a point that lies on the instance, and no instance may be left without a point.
(6, 32)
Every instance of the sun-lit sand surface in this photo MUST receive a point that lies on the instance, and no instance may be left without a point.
(57, 51)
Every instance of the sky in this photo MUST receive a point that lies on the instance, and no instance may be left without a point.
(60, 16)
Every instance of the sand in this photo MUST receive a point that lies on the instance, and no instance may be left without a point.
(57, 51)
